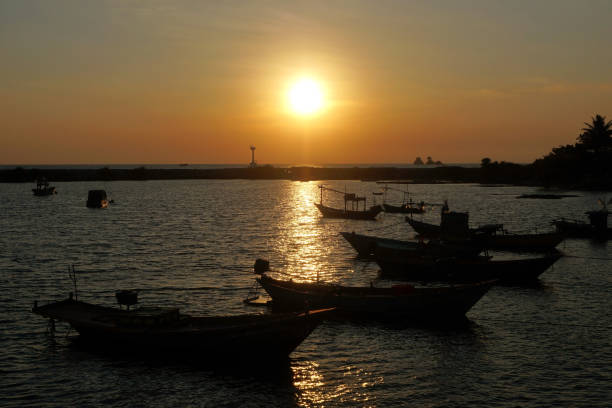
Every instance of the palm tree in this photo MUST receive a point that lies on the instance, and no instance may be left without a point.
(597, 134)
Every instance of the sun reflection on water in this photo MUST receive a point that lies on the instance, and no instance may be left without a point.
(352, 387)
(302, 241)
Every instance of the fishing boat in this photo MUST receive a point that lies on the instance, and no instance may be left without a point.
(541, 242)
(427, 268)
(166, 330)
(43, 188)
(398, 301)
(597, 228)
(351, 207)
(407, 206)
(366, 245)
(97, 199)
(490, 236)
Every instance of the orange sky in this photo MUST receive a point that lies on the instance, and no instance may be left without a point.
(187, 81)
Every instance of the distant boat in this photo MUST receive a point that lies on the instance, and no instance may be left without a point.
(166, 330)
(366, 245)
(352, 212)
(597, 228)
(330, 212)
(97, 199)
(399, 301)
(407, 206)
(490, 236)
(404, 208)
(43, 188)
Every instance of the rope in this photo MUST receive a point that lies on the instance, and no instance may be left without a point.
(590, 326)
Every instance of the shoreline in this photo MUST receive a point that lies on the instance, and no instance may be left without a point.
(522, 175)
(430, 174)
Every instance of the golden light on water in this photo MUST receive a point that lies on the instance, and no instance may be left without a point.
(305, 97)
(302, 243)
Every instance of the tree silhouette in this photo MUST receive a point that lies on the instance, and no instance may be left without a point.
(596, 135)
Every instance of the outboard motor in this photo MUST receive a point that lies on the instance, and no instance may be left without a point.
(261, 266)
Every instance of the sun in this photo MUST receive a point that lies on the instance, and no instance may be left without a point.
(305, 97)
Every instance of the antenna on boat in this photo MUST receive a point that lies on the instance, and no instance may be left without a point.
(73, 278)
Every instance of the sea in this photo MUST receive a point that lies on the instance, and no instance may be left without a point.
(192, 244)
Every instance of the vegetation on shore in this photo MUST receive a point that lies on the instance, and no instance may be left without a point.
(587, 164)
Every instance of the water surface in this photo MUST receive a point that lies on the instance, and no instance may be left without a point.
(192, 243)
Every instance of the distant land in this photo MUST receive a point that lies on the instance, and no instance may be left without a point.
(504, 173)
(587, 164)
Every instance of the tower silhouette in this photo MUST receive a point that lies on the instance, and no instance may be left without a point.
(253, 163)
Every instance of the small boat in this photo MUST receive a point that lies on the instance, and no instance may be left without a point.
(597, 228)
(166, 330)
(490, 236)
(454, 269)
(350, 213)
(97, 199)
(404, 208)
(366, 245)
(398, 301)
(407, 206)
(330, 212)
(43, 188)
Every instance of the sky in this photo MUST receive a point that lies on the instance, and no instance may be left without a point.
(85, 82)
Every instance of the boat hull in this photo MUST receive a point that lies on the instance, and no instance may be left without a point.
(330, 212)
(577, 229)
(405, 301)
(246, 336)
(420, 268)
(402, 209)
(366, 246)
(513, 242)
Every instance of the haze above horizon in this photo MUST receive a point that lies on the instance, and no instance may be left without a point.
(306, 82)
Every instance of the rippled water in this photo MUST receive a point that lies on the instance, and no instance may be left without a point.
(191, 243)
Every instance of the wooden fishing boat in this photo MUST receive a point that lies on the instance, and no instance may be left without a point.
(597, 228)
(454, 269)
(43, 188)
(351, 207)
(407, 206)
(424, 229)
(162, 330)
(97, 199)
(403, 209)
(493, 236)
(330, 212)
(399, 301)
(366, 245)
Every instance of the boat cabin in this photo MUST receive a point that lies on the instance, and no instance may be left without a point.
(454, 226)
